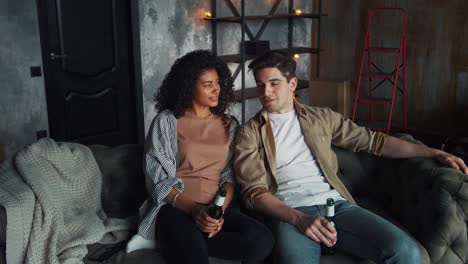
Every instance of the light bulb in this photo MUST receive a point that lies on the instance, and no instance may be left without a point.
(297, 12)
(296, 56)
(208, 14)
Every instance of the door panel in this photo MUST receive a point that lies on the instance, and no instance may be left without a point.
(95, 53)
(88, 72)
(80, 107)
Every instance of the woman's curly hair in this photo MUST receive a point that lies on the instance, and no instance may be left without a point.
(176, 91)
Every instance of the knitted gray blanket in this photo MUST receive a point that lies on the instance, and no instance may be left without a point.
(66, 181)
(18, 200)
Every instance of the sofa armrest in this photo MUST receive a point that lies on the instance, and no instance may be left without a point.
(449, 243)
(431, 202)
(3, 226)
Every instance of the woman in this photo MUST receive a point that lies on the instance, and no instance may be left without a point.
(188, 157)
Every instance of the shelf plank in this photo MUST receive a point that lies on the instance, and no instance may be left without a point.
(237, 19)
(235, 58)
(299, 50)
(251, 92)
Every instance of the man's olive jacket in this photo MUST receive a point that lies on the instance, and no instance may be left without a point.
(255, 151)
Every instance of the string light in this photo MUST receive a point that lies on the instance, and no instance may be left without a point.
(297, 12)
(208, 15)
(296, 56)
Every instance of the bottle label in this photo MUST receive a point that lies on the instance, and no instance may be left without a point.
(330, 211)
(219, 200)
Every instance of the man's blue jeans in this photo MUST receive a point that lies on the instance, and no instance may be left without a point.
(360, 233)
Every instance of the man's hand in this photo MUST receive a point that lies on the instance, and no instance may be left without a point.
(204, 222)
(452, 161)
(317, 228)
(397, 148)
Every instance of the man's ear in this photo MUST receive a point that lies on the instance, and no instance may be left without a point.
(293, 84)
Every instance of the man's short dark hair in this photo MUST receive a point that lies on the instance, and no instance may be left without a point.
(275, 59)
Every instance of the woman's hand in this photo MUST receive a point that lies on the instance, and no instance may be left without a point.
(204, 222)
(221, 222)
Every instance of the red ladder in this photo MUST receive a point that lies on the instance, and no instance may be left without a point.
(374, 72)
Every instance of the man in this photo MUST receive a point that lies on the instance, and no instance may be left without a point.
(287, 169)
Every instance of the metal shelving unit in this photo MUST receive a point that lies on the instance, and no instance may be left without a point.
(241, 19)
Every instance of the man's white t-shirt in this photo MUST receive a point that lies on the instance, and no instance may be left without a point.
(300, 180)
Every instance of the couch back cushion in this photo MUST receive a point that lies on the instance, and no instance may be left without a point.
(355, 169)
(123, 183)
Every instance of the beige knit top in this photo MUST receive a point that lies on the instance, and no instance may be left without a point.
(203, 146)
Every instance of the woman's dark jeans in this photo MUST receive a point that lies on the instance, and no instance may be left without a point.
(241, 238)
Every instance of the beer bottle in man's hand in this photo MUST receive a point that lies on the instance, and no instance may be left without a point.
(330, 213)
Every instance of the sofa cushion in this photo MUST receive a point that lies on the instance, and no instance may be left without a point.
(354, 169)
(123, 183)
(149, 256)
(341, 258)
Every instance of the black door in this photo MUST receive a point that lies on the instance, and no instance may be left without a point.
(88, 67)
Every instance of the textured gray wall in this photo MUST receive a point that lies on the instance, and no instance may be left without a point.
(169, 29)
(22, 98)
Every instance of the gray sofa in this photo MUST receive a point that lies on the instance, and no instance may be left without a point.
(427, 200)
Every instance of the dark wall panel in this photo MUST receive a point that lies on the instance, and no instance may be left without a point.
(437, 58)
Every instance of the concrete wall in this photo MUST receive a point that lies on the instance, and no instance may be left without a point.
(22, 98)
(169, 29)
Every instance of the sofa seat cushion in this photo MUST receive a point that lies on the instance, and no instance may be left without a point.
(144, 256)
(149, 256)
(341, 258)
(123, 183)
